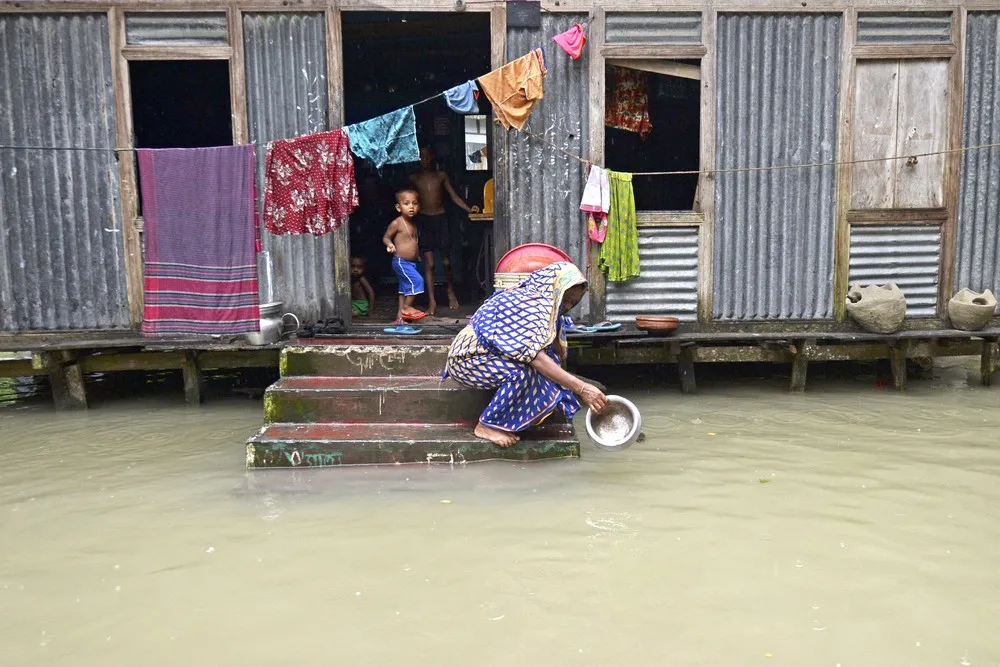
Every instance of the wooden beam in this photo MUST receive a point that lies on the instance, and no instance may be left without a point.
(897, 359)
(845, 171)
(238, 79)
(903, 51)
(987, 362)
(212, 359)
(501, 174)
(952, 164)
(706, 182)
(659, 66)
(177, 52)
(632, 51)
(69, 392)
(800, 364)
(132, 361)
(595, 64)
(669, 218)
(898, 216)
(13, 368)
(335, 102)
(193, 382)
(685, 369)
(127, 174)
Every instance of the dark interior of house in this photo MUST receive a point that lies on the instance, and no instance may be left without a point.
(392, 60)
(673, 144)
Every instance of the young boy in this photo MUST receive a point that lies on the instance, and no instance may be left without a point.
(401, 240)
(362, 294)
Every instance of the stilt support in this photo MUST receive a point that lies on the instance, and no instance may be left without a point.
(66, 378)
(987, 362)
(685, 367)
(897, 359)
(800, 364)
(193, 382)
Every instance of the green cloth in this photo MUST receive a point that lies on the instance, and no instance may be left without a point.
(359, 307)
(619, 259)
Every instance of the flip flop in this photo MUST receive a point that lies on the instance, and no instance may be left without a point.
(403, 329)
(580, 329)
(607, 326)
(415, 316)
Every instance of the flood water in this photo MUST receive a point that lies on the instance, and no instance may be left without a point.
(847, 526)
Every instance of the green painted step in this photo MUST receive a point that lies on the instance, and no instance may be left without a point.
(364, 360)
(331, 445)
(407, 399)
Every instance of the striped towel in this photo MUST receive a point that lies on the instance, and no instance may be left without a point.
(200, 257)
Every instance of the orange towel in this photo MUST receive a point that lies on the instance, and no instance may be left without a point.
(514, 88)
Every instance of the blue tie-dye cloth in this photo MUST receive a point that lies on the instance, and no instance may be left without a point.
(505, 335)
(462, 98)
(388, 139)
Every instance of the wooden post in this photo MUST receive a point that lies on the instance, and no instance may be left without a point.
(193, 382)
(685, 368)
(897, 359)
(800, 365)
(596, 278)
(501, 175)
(987, 361)
(335, 101)
(706, 183)
(66, 377)
(845, 172)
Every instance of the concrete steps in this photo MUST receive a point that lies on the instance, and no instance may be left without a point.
(373, 403)
(320, 445)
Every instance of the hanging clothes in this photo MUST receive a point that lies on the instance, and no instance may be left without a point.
(309, 184)
(200, 233)
(572, 41)
(462, 98)
(388, 139)
(514, 88)
(619, 258)
(626, 104)
(597, 193)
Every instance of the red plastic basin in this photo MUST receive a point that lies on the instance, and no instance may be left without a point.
(530, 257)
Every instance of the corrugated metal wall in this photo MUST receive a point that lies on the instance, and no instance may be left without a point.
(904, 28)
(176, 29)
(906, 255)
(545, 185)
(778, 85)
(668, 280)
(287, 97)
(653, 28)
(61, 249)
(977, 247)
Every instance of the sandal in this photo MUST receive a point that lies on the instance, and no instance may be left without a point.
(403, 329)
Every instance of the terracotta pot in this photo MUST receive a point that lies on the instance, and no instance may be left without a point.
(656, 323)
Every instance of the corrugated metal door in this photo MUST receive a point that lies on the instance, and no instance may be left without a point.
(778, 89)
(61, 246)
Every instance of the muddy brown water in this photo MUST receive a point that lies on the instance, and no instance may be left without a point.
(847, 526)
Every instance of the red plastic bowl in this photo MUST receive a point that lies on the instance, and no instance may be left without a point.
(530, 257)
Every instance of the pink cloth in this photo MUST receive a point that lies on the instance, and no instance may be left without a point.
(572, 41)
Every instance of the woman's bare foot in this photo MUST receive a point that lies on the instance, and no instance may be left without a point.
(432, 307)
(498, 438)
(452, 300)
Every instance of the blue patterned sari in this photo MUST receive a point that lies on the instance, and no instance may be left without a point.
(506, 333)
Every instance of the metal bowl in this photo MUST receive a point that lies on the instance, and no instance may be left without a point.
(615, 427)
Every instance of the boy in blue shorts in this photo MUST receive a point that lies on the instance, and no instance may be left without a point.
(400, 239)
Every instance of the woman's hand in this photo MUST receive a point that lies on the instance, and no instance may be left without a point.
(592, 397)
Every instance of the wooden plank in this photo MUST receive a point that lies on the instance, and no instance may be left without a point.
(13, 368)
(126, 168)
(132, 361)
(595, 63)
(193, 382)
(898, 216)
(501, 174)
(953, 164)
(706, 182)
(177, 52)
(922, 128)
(874, 134)
(335, 96)
(211, 359)
(903, 51)
(633, 51)
(669, 218)
(659, 66)
(845, 171)
(238, 78)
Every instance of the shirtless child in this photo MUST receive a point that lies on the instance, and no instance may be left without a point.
(362, 294)
(401, 240)
(432, 184)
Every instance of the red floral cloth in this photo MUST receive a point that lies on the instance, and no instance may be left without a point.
(309, 184)
(626, 104)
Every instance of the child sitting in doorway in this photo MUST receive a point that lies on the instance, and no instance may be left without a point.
(362, 294)
(400, 239)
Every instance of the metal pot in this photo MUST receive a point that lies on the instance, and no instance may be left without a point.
(272, 325)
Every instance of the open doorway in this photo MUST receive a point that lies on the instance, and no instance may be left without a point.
(394, 59)
(671, 141)
(180, 104)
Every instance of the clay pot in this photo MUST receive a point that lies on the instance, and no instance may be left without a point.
(877, 308)
(656, 323)
(971, 311)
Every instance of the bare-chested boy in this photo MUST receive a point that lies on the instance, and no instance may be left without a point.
(401, 240)
(432, 184)
(362, 294)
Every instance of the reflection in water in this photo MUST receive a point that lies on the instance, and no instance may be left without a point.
(850, 525)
